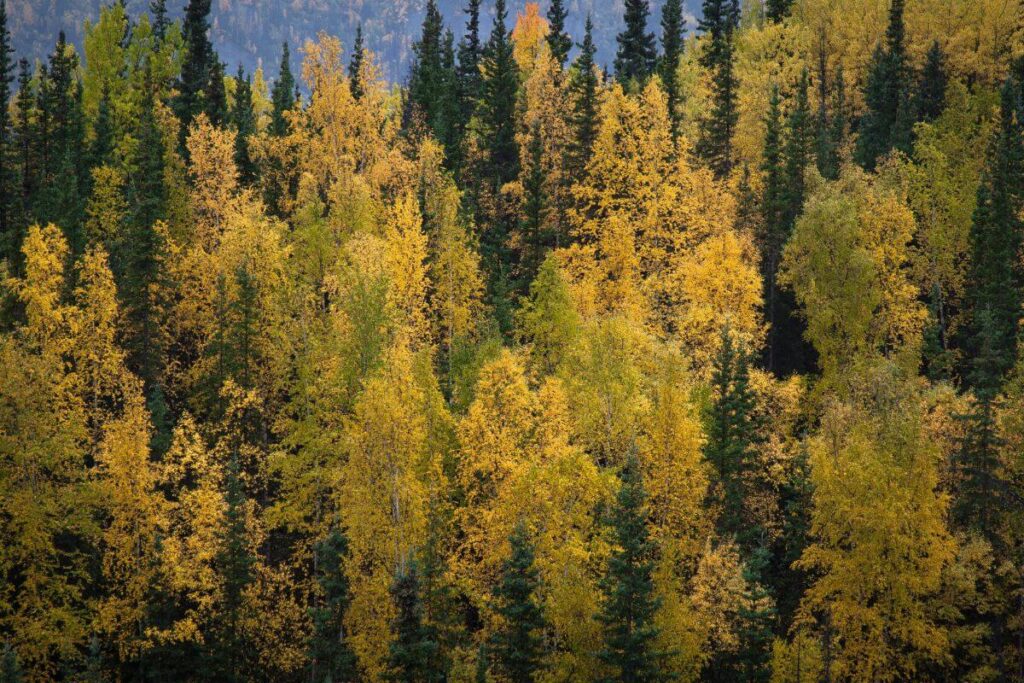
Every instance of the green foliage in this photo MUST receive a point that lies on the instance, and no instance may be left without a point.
(283, 95)
(673, 25)
(517, 646)
(331, 658)
(355, 65)
(719, 20)
(198, 65)
(636, 57)
(629, 606)
(558, 39)
(414, 651)
(584, 84)
(243, 118)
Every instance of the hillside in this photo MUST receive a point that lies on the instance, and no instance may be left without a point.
(251, 31)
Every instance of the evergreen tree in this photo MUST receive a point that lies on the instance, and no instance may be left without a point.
(584, 86)
(497, 112)
(756, 619)
(468, 77)
(888, 122)
(215, 97)
(24, 135)
(798, 150)
(159, 18)
(777, 10)
(355, 65)
(733, 435)
(10, 669)
(831, 124)
(629, 605)
(243, 117)
(197, 64)
(414, 651)
(426, 76)
(533, 216)
(139, 257)
(636, 55)
(931, 91)
(235, 564)
(672, 26)
(517, 645)
(103, 134)
(8, 183)
(331, 658)
(282, 96)
(719, 21)
(996, 276)
(559, 41)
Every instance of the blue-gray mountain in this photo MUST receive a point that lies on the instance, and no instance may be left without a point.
(250, 32)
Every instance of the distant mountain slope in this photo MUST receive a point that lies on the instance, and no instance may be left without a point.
(251, 31)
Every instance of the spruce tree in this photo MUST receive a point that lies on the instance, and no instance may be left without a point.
(497, 112)
(235, 564)
(413, 656)
(533, 216)
(889, 119)
(331, 658)
(282, 96)
(10, 669)
(426, 76)
(931, 90)
(777, 10)
(733, 435)
(103, 134)
(798, 150)
(197, 64)
(672, 26)
(559, 41)
(719, 21)
(215, 97)
(517, 645)
(243, 117)
(24, 136)
(8, 182)
(636, 55)
(355, 65)
(468, 77)
(629, 606)
(996, 276)
(831, 133)
(584, 86)
(755, 624)
(159, 19)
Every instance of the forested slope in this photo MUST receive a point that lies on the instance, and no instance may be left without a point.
(704, 366)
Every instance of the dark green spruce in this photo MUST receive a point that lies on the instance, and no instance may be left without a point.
(637, 55)
(517, 646)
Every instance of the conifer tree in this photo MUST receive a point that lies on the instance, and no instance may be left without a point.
(355, 65)
(756, 620)
(584, 85)
(888, 122)
(235, 563)
(733, 435)
(24, 132)
(559, 41)
(468, 69)
(533, 216)
(282, 95)
(413, 654)
(996, 276)
(243, 117)
(798, 149)
(103, 134)
(636, 56)
(831, 134)
(777, 10)
(516, 645)
(931, 90)
(719, 21)
(10, 669)
(197, 64)
(672, 26)
(426, 76)
(215, 96)
(331, 658)
(8, 184)
(629, 605)
(159, 18)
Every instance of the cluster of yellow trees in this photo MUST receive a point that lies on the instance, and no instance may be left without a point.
(329, 348)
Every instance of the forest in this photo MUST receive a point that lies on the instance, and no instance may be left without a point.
(703, 365)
